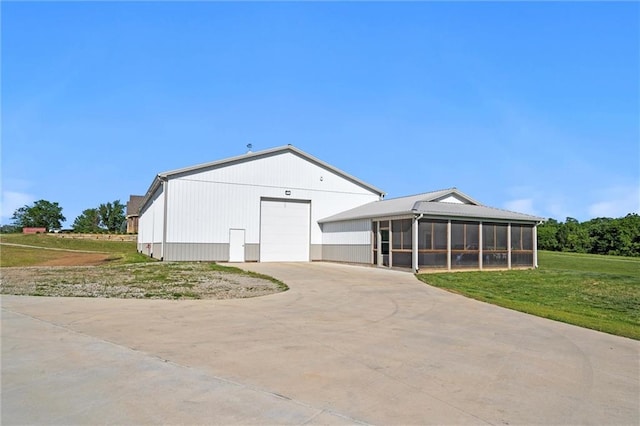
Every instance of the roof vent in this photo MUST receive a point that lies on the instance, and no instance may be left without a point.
(249, 146)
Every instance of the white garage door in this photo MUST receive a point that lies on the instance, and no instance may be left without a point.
(284, 231)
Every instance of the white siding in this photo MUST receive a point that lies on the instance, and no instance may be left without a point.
(277, 170)
(351, 232)
(347, 241)
(150, 225)
(348, 253)
(453, 199)
(204, 205)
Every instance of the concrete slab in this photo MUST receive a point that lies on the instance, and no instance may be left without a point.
(345, 344)
(52, 375)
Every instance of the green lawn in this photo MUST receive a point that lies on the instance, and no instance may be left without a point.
(52, 241)
(592, 291)
(119, 251)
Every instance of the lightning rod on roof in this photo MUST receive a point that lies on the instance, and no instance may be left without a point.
(249, 146)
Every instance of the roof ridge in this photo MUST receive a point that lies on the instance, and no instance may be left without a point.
(229, 159)
(421, 193)
(249, 156)
(494, 208)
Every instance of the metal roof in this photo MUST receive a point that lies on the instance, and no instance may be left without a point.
(249, 157)
(430, 204)
(471, 211)
(268, 152)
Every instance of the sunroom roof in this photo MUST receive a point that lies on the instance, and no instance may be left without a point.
(431, 204)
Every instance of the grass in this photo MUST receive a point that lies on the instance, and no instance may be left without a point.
(122, 272)
(233, 270)
(592, 291)
(159, 280)
(25, 256)
(52, 241)
(119, 252)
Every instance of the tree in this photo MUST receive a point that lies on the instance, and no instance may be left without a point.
(631, 223)
(42, 214)
(615, 236)
(111, 215)
(602, 235)
(573, 237)
(8, 229)
(547, 235)
(88, 221)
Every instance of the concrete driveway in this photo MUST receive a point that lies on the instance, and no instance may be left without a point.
(345, 345)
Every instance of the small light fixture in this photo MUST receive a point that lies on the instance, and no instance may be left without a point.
(287, 192)
(321, 178)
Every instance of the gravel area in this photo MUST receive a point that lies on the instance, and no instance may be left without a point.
(148, 280)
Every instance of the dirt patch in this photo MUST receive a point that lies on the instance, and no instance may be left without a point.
(24, 255)
(149, 281)
(78, 259)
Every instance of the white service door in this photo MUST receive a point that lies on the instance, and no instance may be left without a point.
(284, 231)
(236, 245)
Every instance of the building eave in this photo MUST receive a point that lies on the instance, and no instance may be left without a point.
(435, 210)
(265, 153)
(155, 184)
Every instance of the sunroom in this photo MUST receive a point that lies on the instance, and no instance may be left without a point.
(439, 231)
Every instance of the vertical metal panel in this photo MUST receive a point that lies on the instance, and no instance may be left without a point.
(204, 205)
(273, 171)
(347, 253)
(197, 251)
(156, 249)
(347, 232)
(251, 252)
(315, 252)
(150, 222)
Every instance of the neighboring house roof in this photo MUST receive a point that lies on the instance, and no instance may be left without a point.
(134, 204)
(254, 156)
(430, 204)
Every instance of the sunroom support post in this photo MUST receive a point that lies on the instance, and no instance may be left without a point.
(535, 245)
(449, 245)
(414, 242)
(379, 246)
(480, 245)
(509, 245)
(390, 244)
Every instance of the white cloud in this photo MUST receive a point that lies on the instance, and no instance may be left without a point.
(617, 202)
(11, 201)
(522, 205)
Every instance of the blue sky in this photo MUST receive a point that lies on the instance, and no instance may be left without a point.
(532, 107)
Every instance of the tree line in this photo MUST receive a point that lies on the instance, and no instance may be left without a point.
(603, 235)
(107, 217)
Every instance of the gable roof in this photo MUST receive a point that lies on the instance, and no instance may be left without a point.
(430, 204)
(250, 156)
(134, 204)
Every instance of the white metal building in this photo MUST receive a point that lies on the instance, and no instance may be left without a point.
(262, 206)
(282, 204)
